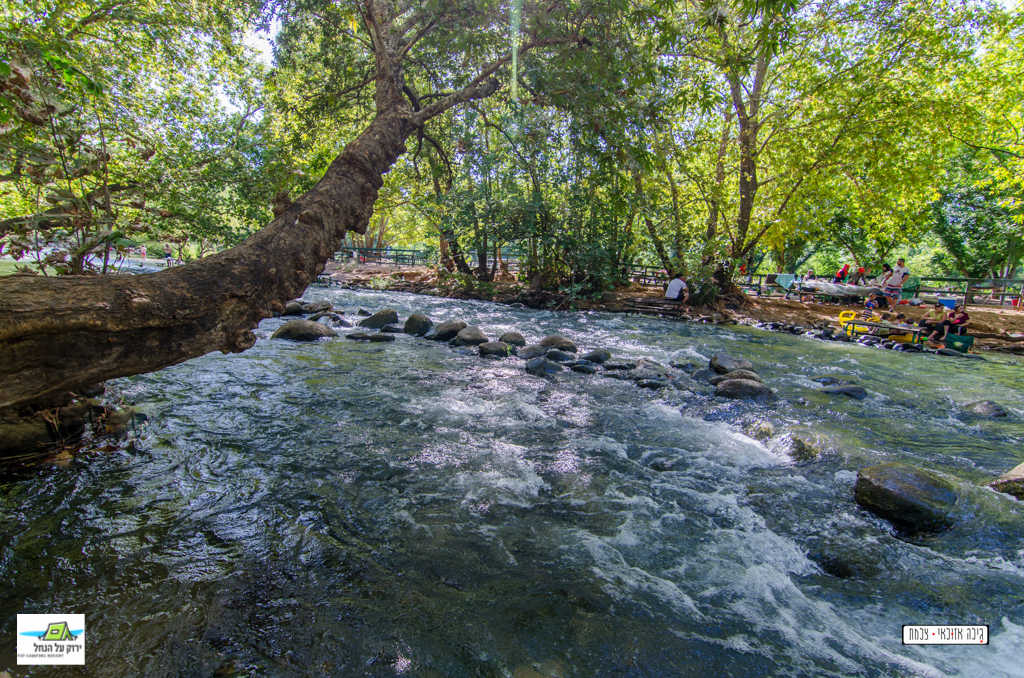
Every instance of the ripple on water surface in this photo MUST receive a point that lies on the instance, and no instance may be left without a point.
(348, 509)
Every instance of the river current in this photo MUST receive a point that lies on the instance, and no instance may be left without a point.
(349, 509)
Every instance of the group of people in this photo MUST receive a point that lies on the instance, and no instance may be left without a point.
(937, 322)
(891, 279)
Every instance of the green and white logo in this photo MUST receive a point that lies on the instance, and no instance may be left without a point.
(51, 639)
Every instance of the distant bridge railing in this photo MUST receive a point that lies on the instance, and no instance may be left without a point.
(388, 255)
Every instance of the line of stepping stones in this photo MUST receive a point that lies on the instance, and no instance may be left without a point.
(914, 500)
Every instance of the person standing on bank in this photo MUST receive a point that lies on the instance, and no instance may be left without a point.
(677, 289)
(894, 284)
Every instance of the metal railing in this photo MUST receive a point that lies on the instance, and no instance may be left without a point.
(388, 255)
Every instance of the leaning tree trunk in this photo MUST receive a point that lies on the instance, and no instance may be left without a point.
(61, 333)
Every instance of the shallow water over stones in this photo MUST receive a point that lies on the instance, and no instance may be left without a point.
(409, 508)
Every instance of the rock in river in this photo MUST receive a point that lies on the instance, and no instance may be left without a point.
(559, 341)
(723, 363)
(1011, 482)
(703, 376)
(735, 374)
(542, 366)
(380, 319)
(909, 497)
(532, 351)
(744, 389)
(496, 348)
(303, 330)
(559, 356)
(316, 307)
(446, 330)
(599, 355)
(470, 336)
(985, 408)
(849, 390)
(513, 338)
(292, 308)
(418, 324)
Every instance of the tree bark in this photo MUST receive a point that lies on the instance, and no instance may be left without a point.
(61, 333)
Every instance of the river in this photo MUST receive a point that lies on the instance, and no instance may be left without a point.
(344, 509)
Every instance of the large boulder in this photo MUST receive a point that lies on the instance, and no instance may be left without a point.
(316, 307)
(292, 308)
(1011, 482)
(498, 348)
(542, 366)
(513, 338)
(735, 374)
(985, 408)
(470, 336)
(380, 319)
(744, 389)
(418, 324)
(446, 330)
(303, 330)
(599, 355)
(909, 497)
(848, 390)
(532, 351)
(723, 363)
(559, 341)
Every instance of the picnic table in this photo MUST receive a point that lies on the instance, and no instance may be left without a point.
(855, 328)
(655, 306)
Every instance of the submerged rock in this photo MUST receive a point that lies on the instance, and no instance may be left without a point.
(909, 497)
(513, 338)
(394, 329)
(559, 341)
(470, 336)
(446, 330)
(380, 319)
(703, 376)
(735, 374)
(832, 379)
(985, 408)
(495, 348)
(303, 330)
(689, 368)
(532, 351)
(584, 368)
(598, 356)
(798, 447)
(744, 389)
(359, 336)
(849, 390)
(363, 312)
(619, 365)
(653, 384)
(723, 363)
(292, 308)
(378, 338)
(1011, 482)
(542, 366)
(418, 324)
(760, 429)
(950, 352)
(559, 356)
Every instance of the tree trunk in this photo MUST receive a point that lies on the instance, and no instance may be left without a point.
(62, 333)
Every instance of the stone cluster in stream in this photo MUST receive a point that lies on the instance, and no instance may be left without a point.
(914, 500)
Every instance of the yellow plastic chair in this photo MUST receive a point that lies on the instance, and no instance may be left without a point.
(848, 316)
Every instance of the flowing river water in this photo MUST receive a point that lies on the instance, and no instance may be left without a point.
(347, 509)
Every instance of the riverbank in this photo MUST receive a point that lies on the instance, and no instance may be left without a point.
(994, 329)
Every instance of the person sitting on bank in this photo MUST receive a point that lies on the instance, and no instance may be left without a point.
(677, 289)
(956, 323)
(932, 321)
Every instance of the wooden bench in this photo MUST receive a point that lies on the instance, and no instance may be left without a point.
(654, 306)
